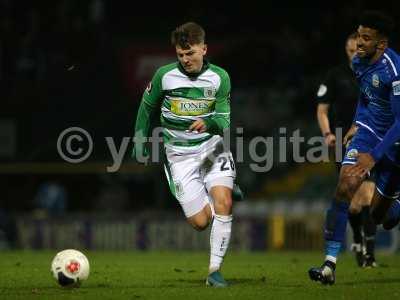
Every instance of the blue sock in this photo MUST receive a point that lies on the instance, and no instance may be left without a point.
(332, 249)
(335, 228)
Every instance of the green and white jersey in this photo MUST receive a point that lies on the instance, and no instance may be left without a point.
(183, 99)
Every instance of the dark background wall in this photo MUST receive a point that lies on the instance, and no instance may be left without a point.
(86, 64)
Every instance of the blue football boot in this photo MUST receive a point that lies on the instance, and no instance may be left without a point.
(215, 279)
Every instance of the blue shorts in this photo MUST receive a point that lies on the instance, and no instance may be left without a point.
(386, 172)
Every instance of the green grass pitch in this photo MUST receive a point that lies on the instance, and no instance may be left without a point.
(181, 275)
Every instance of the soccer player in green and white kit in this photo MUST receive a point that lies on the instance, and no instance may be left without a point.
(195, 111)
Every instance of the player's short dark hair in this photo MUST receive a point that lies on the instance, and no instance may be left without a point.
(188, 34)
(352, 36)
(378, 21)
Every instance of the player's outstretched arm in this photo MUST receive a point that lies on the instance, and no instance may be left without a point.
(142, 126)
(150, 101)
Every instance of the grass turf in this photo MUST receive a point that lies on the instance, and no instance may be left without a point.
(181, 275)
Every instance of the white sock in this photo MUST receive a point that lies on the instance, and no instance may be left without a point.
(331, 258)
(219, 240)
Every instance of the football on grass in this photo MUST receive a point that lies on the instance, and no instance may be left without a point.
(70, 267)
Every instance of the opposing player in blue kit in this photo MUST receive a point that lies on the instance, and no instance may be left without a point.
(376, 140)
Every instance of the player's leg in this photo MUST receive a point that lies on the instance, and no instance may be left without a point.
(385, 206)
(219, 180)
(355, 221)
(392, 217)
(337, 215)
(222, 224)
(335, 226)
(364, 197)
(369, 228)
(379, 207)
(221, 229)
(336, 219)
(385, 210)
(221, 193)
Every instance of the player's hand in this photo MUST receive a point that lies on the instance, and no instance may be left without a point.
(330, 140)
(198, 125)
(349, 135)
(365, 163)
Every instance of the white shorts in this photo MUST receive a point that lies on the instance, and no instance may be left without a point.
(193, 171)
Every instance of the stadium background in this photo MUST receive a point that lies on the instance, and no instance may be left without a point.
(86, 64)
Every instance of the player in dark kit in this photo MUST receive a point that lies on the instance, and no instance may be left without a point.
(337, 99)
(376, 143)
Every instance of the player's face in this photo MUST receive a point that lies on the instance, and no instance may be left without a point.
(351, 48)
(367, 42)
(191, 59)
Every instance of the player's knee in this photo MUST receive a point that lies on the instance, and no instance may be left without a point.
(199, 223)
(200, 226)
(342, 192)
(223, 203)
(354, 209)
(346, 189)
